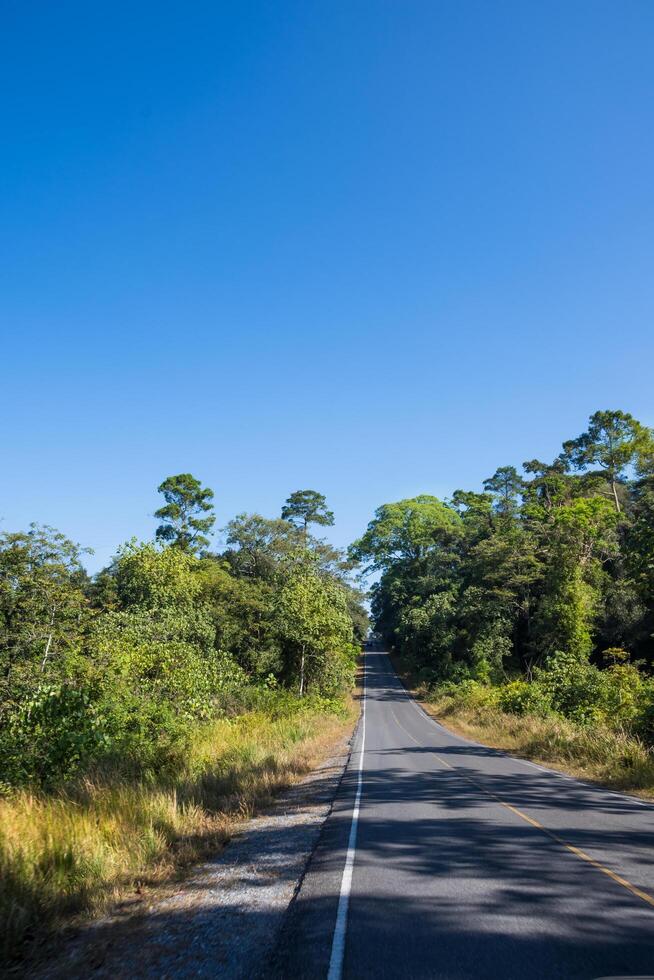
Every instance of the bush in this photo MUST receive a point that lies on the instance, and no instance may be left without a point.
(135, 709)
(576, 688)
(624, 687)
(59, 730)
(522, 698)
(468, 694)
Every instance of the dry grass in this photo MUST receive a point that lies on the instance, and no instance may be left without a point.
(76, 853)
(595, 753)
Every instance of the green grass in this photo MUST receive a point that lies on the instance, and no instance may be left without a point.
(75, 852)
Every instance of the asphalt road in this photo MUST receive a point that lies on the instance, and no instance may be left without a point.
(467, 863)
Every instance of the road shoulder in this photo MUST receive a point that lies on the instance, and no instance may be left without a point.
(227, 915)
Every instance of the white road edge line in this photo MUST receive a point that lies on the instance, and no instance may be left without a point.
(340, 929)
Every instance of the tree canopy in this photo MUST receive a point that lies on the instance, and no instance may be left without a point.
(305, 507)
(405, 530)
(182, 522)
(613, 441)
(557, 558)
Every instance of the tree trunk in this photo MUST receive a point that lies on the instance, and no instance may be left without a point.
(47, 654)
(50, 637)
(302, 673)
(615, 495)
(49, 643)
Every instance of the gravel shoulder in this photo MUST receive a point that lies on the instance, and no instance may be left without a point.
(224, 919)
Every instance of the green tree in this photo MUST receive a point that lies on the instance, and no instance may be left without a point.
(612, 441)
(581, 538)
(242, 608)
(314, 627)
(357, 611)
(549, 487)
(43, 608)
(182, 522)
(257, 544)
(505, 486)
(305, 507)
(406, 530)
(151, 577)
(501, 572)
(161, 595)
(415, 544)
(639, 557)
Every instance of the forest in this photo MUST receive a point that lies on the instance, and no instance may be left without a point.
(143, 705)
(120, 667)
(536, 594)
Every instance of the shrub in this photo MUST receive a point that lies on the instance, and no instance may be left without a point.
(576, 688)
(523, 698)
(468, 694)
(624, 685)
(52, 735)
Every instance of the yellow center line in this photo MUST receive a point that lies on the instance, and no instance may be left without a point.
(644, 896)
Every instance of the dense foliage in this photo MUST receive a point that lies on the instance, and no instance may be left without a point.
(542, 583)
(119, 670)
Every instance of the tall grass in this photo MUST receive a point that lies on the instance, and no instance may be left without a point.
(80, 849)
(608, 756)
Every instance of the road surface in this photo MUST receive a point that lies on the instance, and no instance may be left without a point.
(462, 862)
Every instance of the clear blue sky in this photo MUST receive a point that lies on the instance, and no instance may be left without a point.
(371, 248)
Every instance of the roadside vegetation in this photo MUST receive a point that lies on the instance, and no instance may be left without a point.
(601, 752)
(146, 709)
(525, 614)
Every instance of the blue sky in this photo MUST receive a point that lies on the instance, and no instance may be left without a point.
(371, 248)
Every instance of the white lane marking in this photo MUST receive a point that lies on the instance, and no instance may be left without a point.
(340, 929)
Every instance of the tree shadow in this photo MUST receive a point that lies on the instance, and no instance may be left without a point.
(463, 889)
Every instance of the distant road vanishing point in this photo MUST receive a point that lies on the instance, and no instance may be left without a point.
(446, 859)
